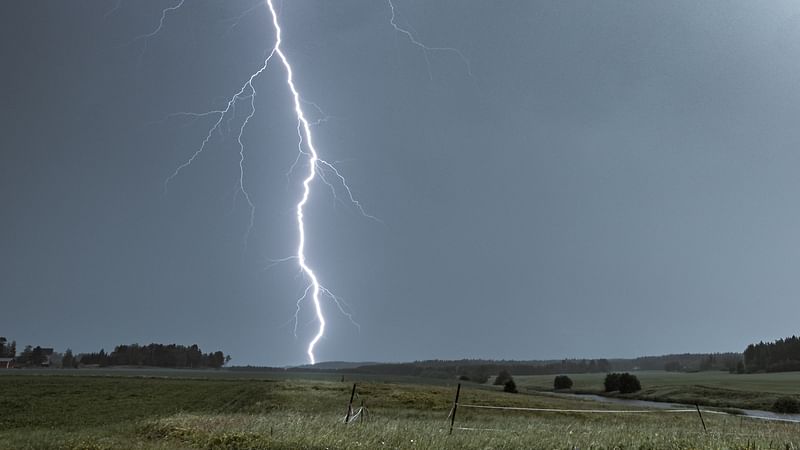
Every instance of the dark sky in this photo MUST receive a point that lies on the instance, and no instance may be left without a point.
(615, 179)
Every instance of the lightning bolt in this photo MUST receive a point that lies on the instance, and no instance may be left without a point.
(313, 159)
(164, 13)
(114, 9)
(425, 48)
(306, 148)
(315, 289)
(317, 167)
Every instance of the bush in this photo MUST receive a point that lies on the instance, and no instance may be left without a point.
(502, 378)
(480, 378)
(510, 386)
(786, 405)
(625, 383)
(476, 375)
(562, 382)
(611, 382)
(629, 383)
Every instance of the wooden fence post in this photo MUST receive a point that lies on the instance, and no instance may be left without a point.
(455, 407)
(350, 405)
(701, 417)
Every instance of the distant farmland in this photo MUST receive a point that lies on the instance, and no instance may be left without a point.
(714, 388)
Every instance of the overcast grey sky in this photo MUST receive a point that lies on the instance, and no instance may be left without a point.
(615, 178)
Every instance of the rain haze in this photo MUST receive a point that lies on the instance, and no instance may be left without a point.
(579, 179)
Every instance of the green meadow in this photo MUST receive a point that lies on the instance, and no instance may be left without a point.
(95, 410)
(711, 388)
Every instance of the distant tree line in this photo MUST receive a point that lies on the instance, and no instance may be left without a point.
(572, 366)
(30, 355)
(686, 362)
(480, 370)
(34, 356)
(7, 349)
(782, 355)
(156, 355)
(732, 362)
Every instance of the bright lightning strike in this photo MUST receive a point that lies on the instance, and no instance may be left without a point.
(306, 149)
(316, 166)
(313, 158)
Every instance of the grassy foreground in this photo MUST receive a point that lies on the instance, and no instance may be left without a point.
(115, 412)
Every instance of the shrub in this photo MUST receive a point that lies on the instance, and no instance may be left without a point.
(611, 382)
(786, 405)
(562, 382)
(629, 383)
(510, 386)
(475, 374)
(502, 378)
(480, 378)
(625, 383)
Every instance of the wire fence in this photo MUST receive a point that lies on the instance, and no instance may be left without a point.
(590, 411)
(360, 414)
(451, 416)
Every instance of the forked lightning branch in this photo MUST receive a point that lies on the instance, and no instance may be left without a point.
(317, 168)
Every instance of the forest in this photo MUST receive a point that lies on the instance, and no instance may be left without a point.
(156, 355)
(783, 355)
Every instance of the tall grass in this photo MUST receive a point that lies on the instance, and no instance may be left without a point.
(98, 413)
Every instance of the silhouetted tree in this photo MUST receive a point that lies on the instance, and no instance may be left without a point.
(68, 361)
(562, 382)
(37, 356)
(157, 355)
(629, 383)
(502, 378)
(475, 377)
(611, 383)
(625, 383)
(25, 356)
(783, 355)
(7, 350)
(510, 386)
(100, 358)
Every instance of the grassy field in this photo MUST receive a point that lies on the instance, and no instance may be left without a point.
(749, 391)
(126, 412)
